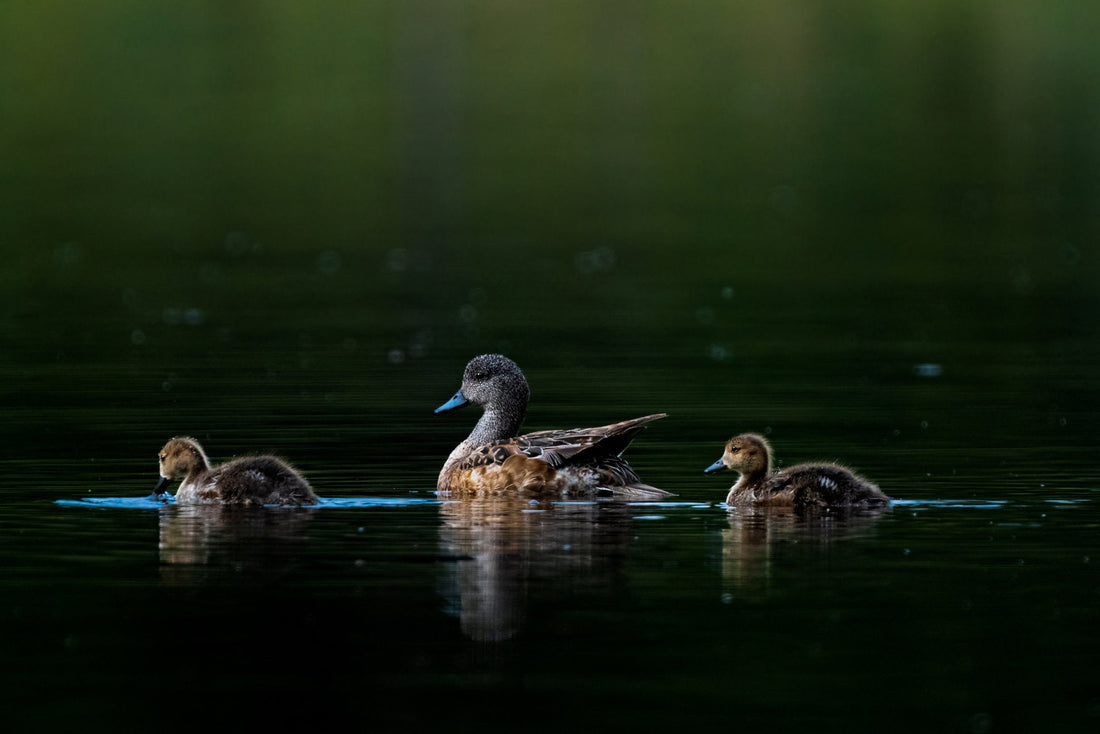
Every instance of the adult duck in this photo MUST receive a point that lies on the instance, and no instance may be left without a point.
(494, 458)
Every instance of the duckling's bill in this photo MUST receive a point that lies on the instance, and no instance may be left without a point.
(716, 466)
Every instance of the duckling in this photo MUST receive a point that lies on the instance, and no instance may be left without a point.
(572, 462)
(804, 485)
(249, 480)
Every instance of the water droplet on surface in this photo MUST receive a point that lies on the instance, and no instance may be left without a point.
(68, 254)
(397, 260)
(236, 243)
(783, 200)
(981, 723)
(928, 369)
(594, 261)
(329, 262)
(211, 274)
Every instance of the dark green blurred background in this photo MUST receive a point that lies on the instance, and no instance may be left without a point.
(892, 134)
(284, 212)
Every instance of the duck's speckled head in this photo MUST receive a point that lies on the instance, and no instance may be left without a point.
(748, 453)
(491, 380)
(178, 458)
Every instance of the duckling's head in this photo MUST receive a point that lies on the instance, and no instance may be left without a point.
(491, 380)
(748, 454)
(180, 457)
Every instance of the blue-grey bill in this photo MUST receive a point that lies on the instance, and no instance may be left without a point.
(716, 466)
(456, 402)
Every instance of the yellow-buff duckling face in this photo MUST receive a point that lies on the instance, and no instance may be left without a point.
(747, 454)
(177, 459)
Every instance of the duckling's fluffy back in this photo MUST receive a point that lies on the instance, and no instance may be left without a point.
(263, 480)
(824, 485)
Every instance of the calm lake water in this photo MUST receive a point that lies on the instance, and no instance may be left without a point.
(279, 228)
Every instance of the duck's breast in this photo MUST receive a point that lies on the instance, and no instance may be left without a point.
(519, 473)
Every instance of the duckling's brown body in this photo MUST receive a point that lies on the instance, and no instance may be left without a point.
(250, 480)
(802, 485)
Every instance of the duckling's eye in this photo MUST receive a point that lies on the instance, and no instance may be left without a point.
(162, 457)
(734, 449)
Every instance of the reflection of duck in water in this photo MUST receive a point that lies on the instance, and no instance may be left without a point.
(504, 546)
(802, 485)
(574, 462)
(250, 480)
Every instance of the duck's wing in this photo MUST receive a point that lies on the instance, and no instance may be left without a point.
(573, 446)
(578, 446)
(581, 459)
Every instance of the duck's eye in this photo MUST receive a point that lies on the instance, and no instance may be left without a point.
(162, 457)
(734, 449)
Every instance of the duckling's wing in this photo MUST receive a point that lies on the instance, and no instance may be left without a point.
(825, 485)
(582, 445)
(261, 479)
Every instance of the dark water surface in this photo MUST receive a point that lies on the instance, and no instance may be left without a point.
(870, 234)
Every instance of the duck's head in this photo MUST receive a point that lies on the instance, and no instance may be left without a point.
(490, 380)
(178, 458)
(748, 453)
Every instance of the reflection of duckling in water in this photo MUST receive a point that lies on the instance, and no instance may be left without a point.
(802, 485)
(250, 480)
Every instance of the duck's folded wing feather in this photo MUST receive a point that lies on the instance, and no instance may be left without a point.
(580, 445)
(562, 447)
